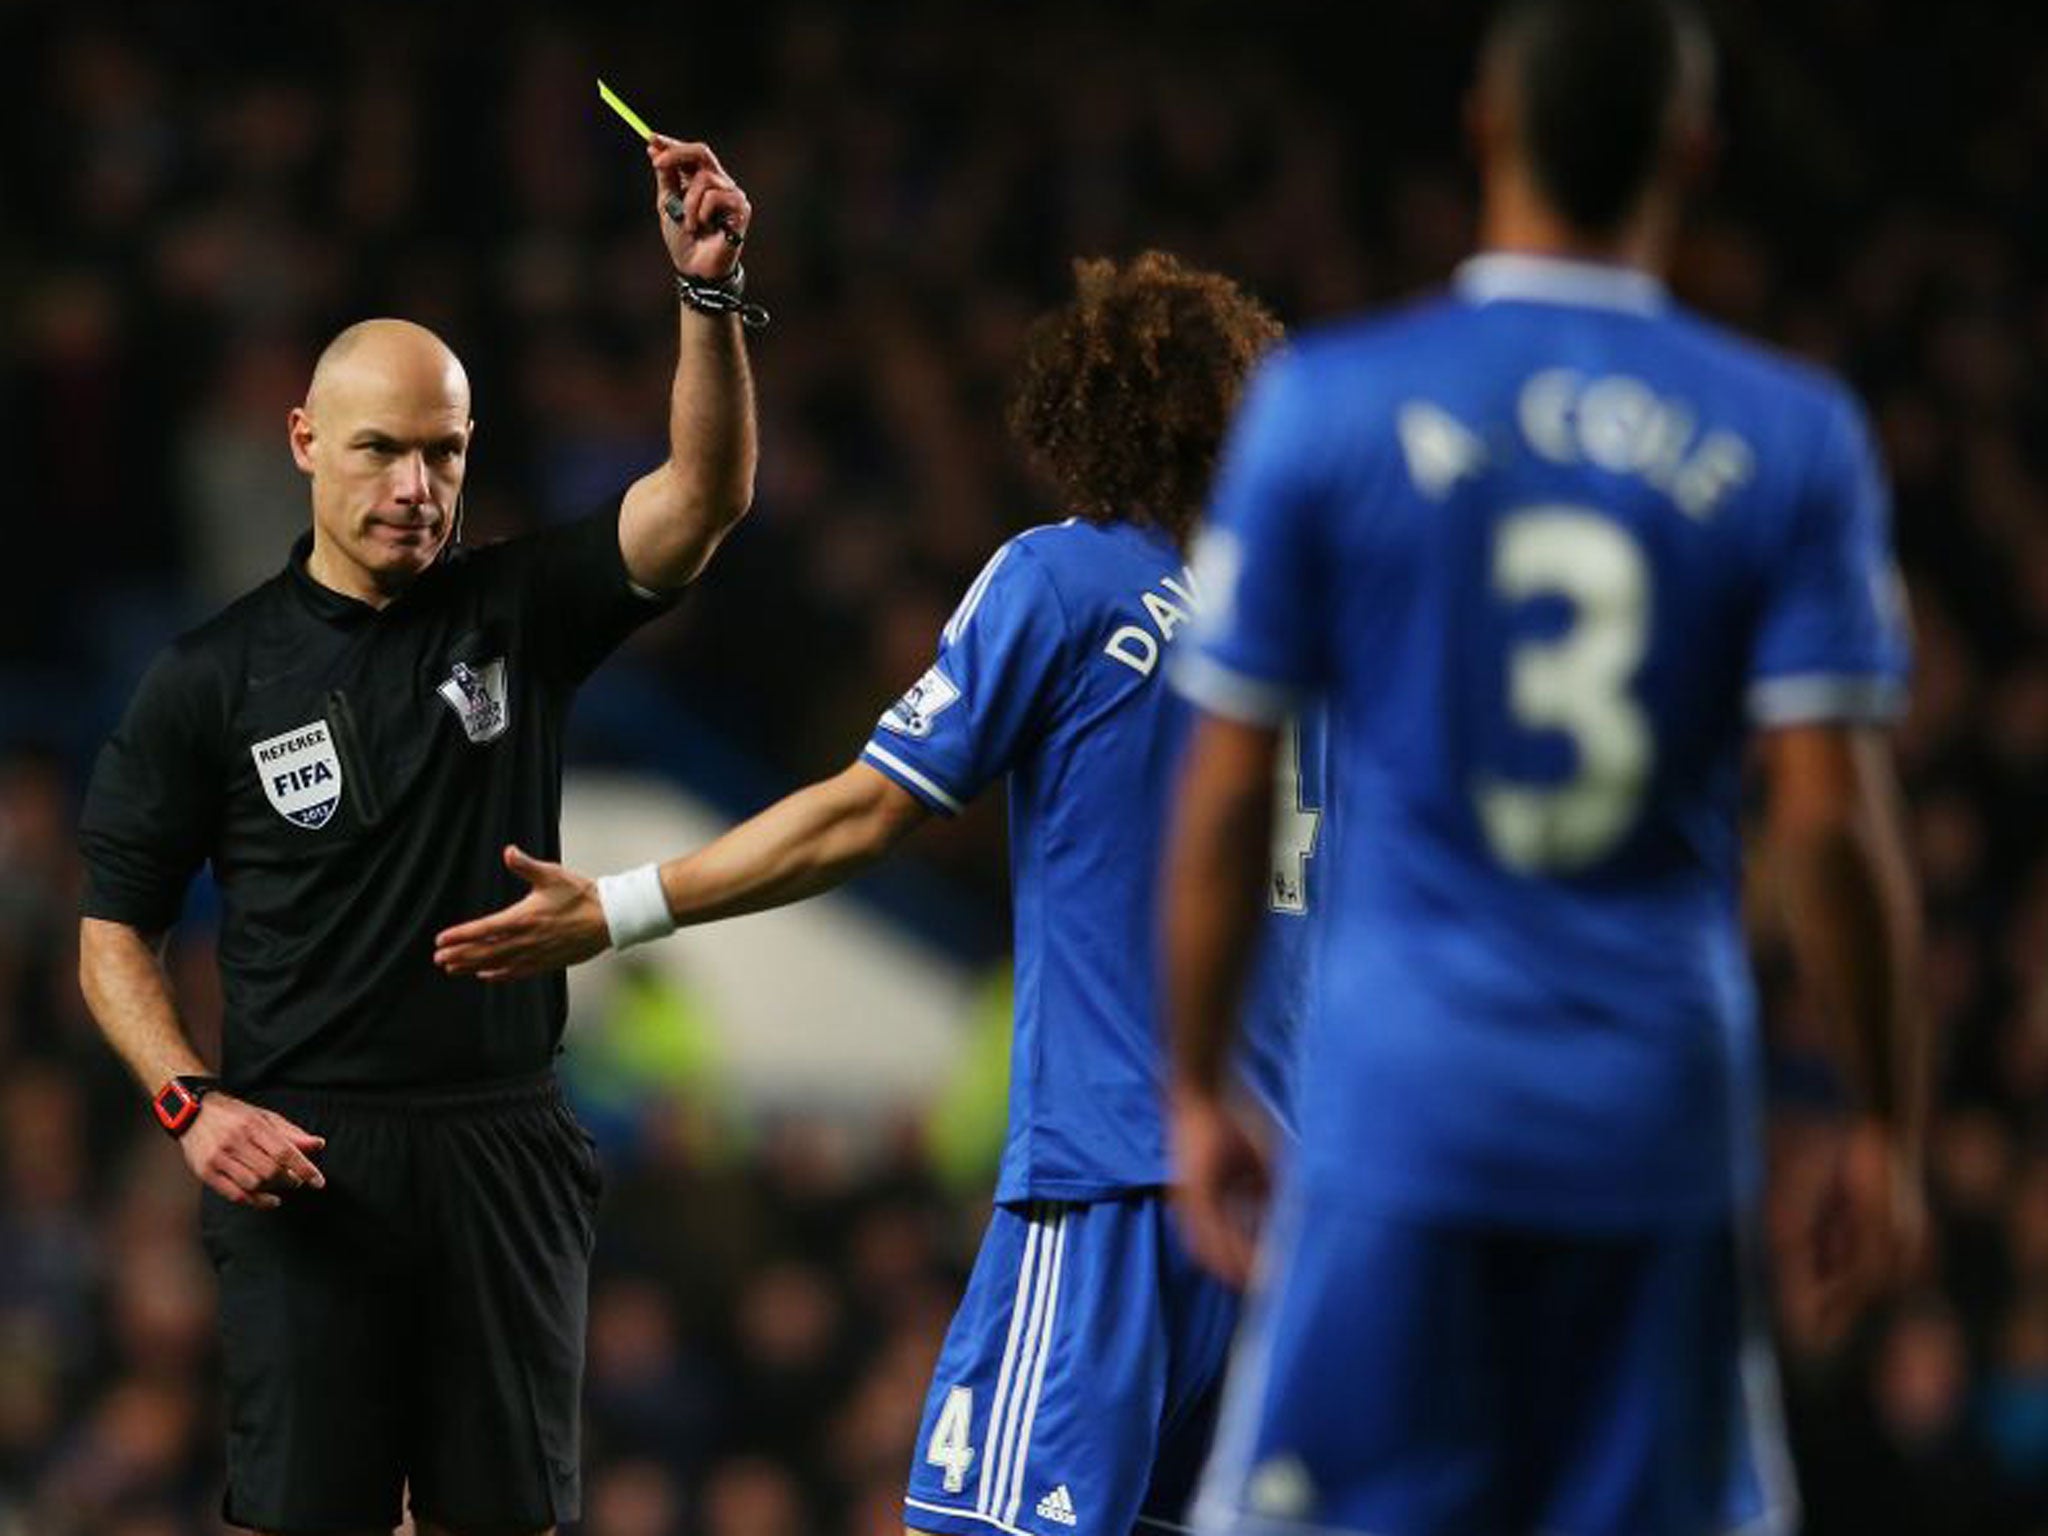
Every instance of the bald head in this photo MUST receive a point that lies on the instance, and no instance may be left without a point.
(384, 438)
(391, 357)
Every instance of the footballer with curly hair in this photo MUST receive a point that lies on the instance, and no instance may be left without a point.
(1077, 1384)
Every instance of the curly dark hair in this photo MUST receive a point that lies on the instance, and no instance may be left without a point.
(1127, 389)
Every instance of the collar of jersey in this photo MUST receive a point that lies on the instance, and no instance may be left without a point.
(325, 602)
(1493, 276)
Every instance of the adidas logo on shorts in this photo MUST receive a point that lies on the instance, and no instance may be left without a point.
(1058, 1507)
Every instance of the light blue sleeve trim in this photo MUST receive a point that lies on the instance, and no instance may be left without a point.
(1816, 697)
(1207, 683)
(910, 778)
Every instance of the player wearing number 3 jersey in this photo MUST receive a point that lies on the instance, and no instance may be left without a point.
(1551, 549)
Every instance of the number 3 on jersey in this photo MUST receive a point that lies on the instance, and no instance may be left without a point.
(1577, 684)
(948, 1448)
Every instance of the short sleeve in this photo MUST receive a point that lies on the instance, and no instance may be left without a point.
(153, 804)
(1832, 645)
(581, 602)
(1258, 645)
(969, 718)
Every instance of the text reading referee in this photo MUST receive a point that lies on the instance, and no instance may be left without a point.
(397, 1201)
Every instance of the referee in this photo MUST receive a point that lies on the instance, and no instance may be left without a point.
(398, 1204)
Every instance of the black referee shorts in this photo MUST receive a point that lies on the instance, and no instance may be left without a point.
(419, 1321)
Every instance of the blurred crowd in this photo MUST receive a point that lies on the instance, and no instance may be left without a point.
(194, 198)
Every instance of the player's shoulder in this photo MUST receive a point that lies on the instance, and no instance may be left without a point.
(1053, 540)
(1323, 396)
(1019, 571)
(1359, 346)
(1792, 389)
(1071, 568)
(1030, 555)
(1075, 552)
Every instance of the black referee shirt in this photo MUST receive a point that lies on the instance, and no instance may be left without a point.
(352, 774)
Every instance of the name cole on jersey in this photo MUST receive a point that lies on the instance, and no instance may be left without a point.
(1612, 422)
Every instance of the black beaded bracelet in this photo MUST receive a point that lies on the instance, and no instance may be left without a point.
(721, 296)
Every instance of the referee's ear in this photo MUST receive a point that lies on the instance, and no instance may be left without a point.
(299, 427)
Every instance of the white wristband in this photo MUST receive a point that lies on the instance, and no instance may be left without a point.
(635, 910)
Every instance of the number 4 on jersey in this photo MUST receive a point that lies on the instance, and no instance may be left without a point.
(1294, 827)
(949, 1449)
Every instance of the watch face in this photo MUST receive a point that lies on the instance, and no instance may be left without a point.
(175, 1106)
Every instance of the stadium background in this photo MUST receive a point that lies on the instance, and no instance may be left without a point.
(192, 198)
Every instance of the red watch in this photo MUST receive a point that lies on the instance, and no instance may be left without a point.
(177, 1102)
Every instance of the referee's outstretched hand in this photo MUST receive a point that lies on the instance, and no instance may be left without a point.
(250, 1156)
(556, 924)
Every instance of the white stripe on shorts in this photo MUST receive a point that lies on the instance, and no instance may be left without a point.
(1052, 1307)
(1034, 1339)
(995, 1411)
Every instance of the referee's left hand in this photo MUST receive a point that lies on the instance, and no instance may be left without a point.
(249, 1155)
(556, 924)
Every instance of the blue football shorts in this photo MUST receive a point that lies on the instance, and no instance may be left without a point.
(1078, 1385)
(1413, 1377)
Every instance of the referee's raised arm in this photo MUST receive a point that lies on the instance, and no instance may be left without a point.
(673, 518)
(346, 747)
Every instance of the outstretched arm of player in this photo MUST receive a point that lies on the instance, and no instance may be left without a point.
(673, 518)
(1216, 865)
(808, 842)
(248, 1155)
(1837, 839)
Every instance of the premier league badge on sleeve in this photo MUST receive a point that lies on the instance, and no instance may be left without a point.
(301, 774)
(477, 695)
(912, 714)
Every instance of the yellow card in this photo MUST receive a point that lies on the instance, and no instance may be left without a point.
(611, 99)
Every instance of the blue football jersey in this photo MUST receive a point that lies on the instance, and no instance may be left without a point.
(1547, 546)
(1050, 671)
